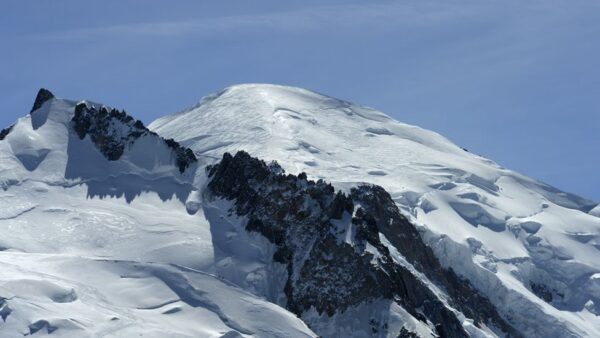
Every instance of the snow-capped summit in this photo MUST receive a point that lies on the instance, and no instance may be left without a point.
(187, 229)
(532, 249)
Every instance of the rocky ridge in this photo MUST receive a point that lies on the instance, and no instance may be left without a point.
(113, 130)
(305, 220)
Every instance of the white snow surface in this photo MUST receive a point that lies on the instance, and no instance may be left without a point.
(92, 248)
(500, 229)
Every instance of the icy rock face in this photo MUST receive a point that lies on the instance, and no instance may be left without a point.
(404, 333)
(43, 95)
(5, 310)
(4, 132)
(305, 220)
(380, 214)
(112, 131)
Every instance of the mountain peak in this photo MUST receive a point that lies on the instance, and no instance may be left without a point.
(467, 203)
(42, 96)
(292, 121)
(353, 221)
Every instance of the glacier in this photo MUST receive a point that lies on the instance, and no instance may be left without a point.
(96, 244)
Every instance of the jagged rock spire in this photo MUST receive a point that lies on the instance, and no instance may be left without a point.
(43, 95)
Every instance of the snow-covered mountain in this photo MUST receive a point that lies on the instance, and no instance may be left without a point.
(272, 211)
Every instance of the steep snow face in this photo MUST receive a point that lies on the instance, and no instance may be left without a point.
(530, 248)
(112, 246)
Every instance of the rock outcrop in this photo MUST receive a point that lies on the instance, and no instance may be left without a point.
(113, 130)
(302, 218)
(4, 132)
(43, 95)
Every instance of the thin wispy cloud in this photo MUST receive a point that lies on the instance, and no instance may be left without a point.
(368, 16)
(442, 64)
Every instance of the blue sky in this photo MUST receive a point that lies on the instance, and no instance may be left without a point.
(515, 81)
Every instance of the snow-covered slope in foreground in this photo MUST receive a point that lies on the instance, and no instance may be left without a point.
(533, 250)
(92, 247)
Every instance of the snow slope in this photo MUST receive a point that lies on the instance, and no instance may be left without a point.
(530, 248)
(107, 234)
(98, 248)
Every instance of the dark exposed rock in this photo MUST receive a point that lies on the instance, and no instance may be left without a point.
(413, 294)
(327, 273)
(43, 95)
(41, 324)
(97, 123)
(404, 333)
(280, 206)
(377, 325)
(5, 310)
(542, 291)
(333, 278)
(4, 132)
(184, 156)
(380, 209)
(366, 227)
(111, 131)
